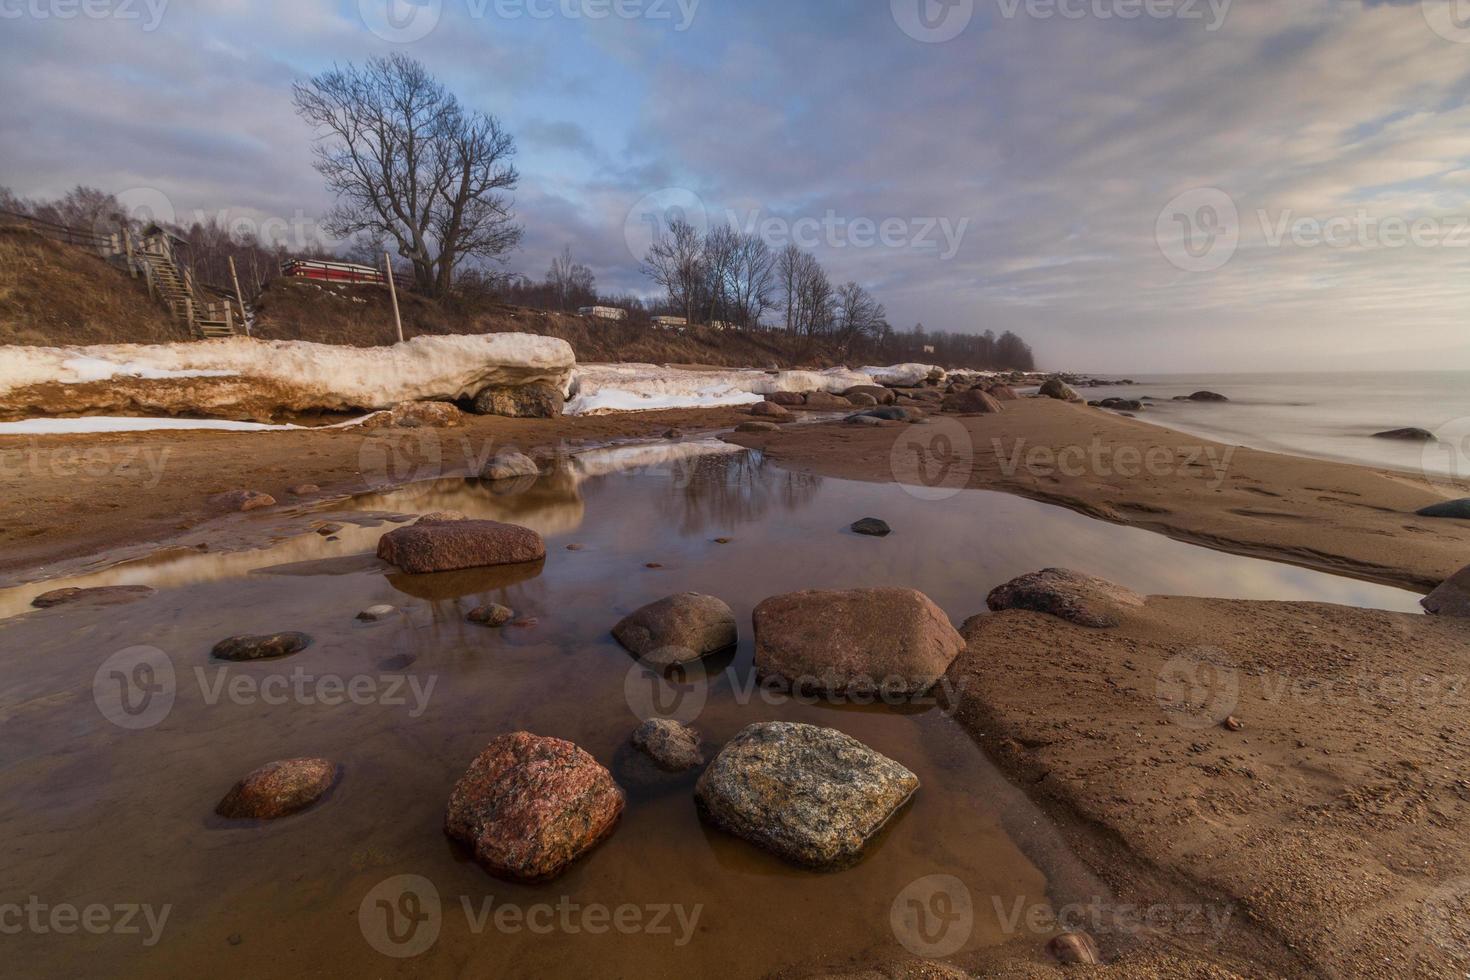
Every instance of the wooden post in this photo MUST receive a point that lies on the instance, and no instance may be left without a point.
(244, 320)
(393, 292)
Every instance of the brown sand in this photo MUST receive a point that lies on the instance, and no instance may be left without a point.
(1349, 520)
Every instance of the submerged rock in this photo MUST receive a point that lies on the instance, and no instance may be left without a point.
(673, 747)
(1453, 509)
(872, 527)
(1061, 592)
(240, 501)
(278, 790)
(812, 796)
(1452, 598)
(1406, 435)
(1207, 396)
(374, 614)
(533, 401)
(678, 629)
(270, 646)
(510, 465)
(529, 806)
(493, 616)
(111, 595)
(454, 545)
(862, 642)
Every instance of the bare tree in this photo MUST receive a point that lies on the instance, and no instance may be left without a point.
(676, 262)
(858, 316)
(410, 164)
(752, 281)
(572, 284)
(720, 249)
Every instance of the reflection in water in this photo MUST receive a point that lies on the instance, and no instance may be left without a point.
(70, 779)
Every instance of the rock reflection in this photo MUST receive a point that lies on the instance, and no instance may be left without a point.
(739, 488)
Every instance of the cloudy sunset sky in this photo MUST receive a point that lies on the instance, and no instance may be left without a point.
(1264, 184)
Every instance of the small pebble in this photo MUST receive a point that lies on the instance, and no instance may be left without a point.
(575, 547)
(236, 939)
(723, 540)
(1234, 724)
(653, 564)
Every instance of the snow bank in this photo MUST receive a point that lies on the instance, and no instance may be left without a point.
(905, 375)
(599, 389)
(106, 423)
(241, 377)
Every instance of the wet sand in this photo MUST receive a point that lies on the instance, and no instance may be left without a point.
(1349, 520)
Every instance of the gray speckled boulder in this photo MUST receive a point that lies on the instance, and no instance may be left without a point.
(678, 629)
(1060, 390)
(812, 796)
(1077, 598)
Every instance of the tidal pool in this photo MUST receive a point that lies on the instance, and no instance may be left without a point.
(109, 776)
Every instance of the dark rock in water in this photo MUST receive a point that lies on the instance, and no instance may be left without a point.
(872, 527)
(812, 796)
(678, 629)
(240, 501)
(1453, 509)
(278, 790)
(1207, 396)
(327, 530)
(884, 396)
(1406, 435)
(529, 806)
(510, 465)
(1077, 598)
(672, 746)
(533, 401)
(1121, 404)
(271, 646)
(493, 616)
(757, 427)
(787, 399)
(111, 595)
(1060, 390)
(769, 410)
(1074, 949)
(456, 545)
(1452, 598)
(862, 642)
(972, 402)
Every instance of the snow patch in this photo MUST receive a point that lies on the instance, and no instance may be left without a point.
(904, 375)
(85, 368)
(599, 389)
(93, 424)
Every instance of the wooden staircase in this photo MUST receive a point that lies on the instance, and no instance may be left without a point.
(173, 283)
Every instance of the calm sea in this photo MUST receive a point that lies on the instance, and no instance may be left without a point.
(1331, 416)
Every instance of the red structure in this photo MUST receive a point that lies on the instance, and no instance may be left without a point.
(348, 272)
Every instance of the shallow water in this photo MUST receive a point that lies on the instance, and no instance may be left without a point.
(1329, 416)
(96, 813)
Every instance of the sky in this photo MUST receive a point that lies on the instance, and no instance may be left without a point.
(1134, 186)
